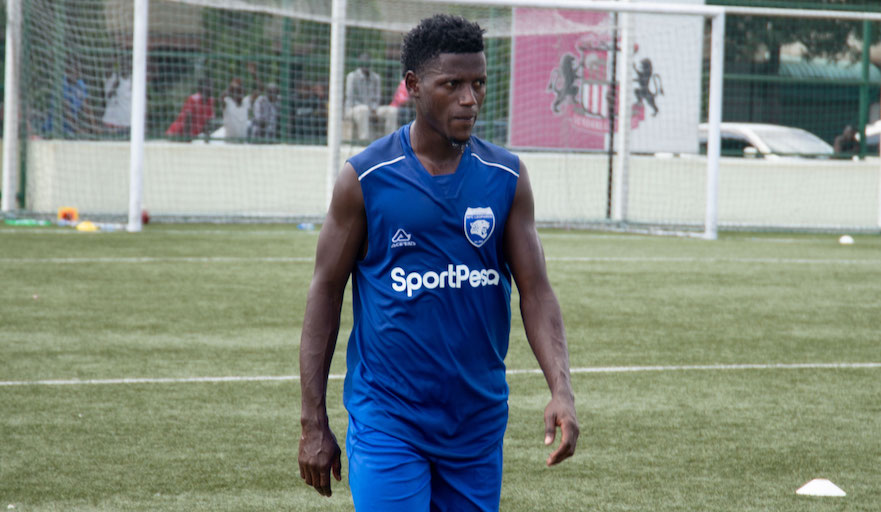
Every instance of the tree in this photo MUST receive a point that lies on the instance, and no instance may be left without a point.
(756, 41)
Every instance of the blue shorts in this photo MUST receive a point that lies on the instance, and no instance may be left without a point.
(388, 475)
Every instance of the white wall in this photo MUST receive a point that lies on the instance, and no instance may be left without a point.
(179, 178)
(286, 180)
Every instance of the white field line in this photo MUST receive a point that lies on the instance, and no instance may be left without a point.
(49, 230)
(561, 259)
(52, 230)
(829, 239)
(269, 232)
(531, 371)
(661, 259)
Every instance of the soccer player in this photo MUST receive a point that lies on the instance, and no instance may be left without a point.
(432, 223)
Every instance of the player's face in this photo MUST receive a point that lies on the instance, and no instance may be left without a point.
(451, 91)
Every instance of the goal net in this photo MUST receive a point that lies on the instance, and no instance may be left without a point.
(249, 113)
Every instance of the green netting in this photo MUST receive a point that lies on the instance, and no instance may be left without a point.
(815, 74)
(223, 162)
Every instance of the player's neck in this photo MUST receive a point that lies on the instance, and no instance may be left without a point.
(435, 151)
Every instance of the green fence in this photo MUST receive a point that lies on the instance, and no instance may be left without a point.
(812, 74)
(815, 74)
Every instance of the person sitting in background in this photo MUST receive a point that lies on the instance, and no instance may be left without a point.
(193, 118)
(363, 89)
(403, 105)
(75, 94)
(237, 106)
(74, 112)
(118, 102)
(846, 143)
(310, 112)
(265, 125)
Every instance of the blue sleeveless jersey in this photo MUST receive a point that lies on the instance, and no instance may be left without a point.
(432, 298)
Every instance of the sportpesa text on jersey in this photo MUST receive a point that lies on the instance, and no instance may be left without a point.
(453, 277)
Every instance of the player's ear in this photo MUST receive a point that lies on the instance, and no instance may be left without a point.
(412, 81)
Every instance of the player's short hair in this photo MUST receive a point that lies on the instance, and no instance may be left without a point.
(441, 33)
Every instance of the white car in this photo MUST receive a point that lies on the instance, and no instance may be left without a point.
(766, 141)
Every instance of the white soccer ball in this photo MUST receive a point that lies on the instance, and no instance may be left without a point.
(846, 240)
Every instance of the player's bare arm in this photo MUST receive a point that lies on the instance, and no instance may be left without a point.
(542, 318)
(339, 243)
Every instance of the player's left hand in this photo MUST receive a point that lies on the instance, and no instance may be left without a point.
(561, 413)
(319, 457)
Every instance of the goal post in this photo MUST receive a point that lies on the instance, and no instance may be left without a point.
(612, 115)
(138, 115)
(615, 108)
(11, 109)
(78, 156)
(717, 47)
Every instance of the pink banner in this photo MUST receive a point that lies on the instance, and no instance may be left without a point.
(561, 79)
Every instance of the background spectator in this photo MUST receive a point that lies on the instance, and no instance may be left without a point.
(74, 93)
(846, 143)
(237, 106)
(402, 104)
(265, 126)
(117, 117)
(193, 118)
(310, 111)
(363, 90)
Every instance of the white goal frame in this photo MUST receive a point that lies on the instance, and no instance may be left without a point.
(716, 15)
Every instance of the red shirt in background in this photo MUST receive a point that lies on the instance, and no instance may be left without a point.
(401, 95)
(200, 110)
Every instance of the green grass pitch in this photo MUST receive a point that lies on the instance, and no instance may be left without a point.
(704, 372)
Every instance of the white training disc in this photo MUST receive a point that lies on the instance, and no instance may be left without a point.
(820, 487)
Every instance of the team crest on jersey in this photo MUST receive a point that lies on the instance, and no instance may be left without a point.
(479, 225)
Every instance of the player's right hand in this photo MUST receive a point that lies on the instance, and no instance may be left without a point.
(319, 455)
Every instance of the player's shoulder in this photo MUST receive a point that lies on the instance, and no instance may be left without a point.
(492, 155)
(383, 151)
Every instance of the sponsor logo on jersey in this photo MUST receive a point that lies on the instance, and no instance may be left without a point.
(402, 239)
(455, 276)
(479, 225)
